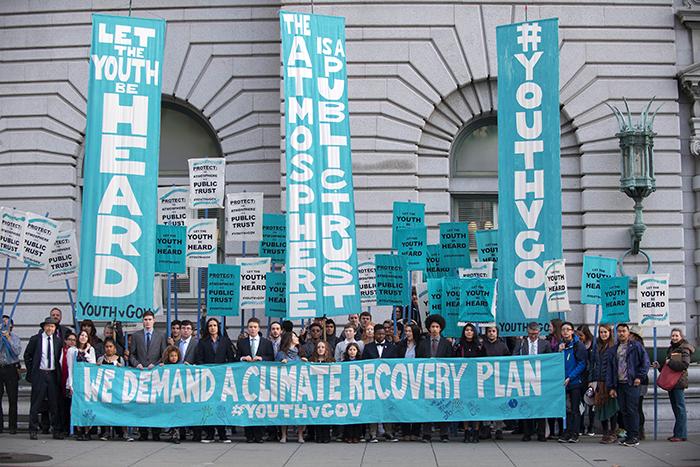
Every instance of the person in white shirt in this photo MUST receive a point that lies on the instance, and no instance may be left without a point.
(82, 352)
(349, 333)
(187, 343)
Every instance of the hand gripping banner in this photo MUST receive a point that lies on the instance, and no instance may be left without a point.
(118, 236)
(529, 181)
(322, 277)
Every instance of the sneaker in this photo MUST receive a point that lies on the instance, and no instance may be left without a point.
(444, 439)
(104, 438)
(573, 439)
(591, 432)
(373, 439)
(631, 442)
(425, 439)
(226, 441)
(206, 440)
(565, 438)
(129, 439)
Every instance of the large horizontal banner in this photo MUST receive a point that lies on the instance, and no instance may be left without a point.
(120, 196)
(529, 179)
(322, 277)
(369, 391)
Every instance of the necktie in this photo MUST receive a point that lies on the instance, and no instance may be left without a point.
(182, 351)
(433, 349)
(48, 353)
(253, 346)
(148, 340)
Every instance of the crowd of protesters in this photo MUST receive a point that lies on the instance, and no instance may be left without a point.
(605, 376)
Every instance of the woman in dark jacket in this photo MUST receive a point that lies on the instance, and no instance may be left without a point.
(469, 346)
(213, 348)
(606, 407)
(678, 359)
(407, 349)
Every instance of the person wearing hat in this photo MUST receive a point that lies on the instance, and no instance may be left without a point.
(43, 359)
(435, 346)
(628, 365)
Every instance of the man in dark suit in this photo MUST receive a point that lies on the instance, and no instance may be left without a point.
(61, 330)
(187, 343)
(533, 345)
(43, 359)
(255, 348)
(380, 348)
(435, 346)
(147, 347)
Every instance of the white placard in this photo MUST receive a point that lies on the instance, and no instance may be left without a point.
(244, 215)
(12, 226)
(201, 242)
(207, 182)
(63, 260)
(422, 292)
(479, 269)
(173, 205)
(555, 285)
(253, 272)
(367, 271)
(652, 300)
(38, 240)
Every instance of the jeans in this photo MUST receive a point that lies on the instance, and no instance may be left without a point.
(573, 416)
(628, 400)
(677, 398)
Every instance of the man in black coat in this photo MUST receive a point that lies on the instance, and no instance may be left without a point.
(43, 359)
(380, 348)
(61, 330)
(255, 348)
(435, 346)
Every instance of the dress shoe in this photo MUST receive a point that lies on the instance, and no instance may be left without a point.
(58, 436)
(33, 435)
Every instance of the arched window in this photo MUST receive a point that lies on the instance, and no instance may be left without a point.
(474, 175)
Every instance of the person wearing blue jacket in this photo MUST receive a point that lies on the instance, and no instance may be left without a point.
(575, 360)
(626, 368)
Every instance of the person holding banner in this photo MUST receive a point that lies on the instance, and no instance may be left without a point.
(111, 358)
(623, 376)
(289, 352)
(10, 350)
(435, 346)
(494, 346)
(321, 354)
(407, 348)
(678, 360)
(82, 352)
(42, 358)
(213, 348)
(380, 348)
(65, 399)
(469, 346)
(352, 433)
(606, 407)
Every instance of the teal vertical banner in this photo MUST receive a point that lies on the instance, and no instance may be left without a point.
(594, 269)
(274, 237)
(405, 214)
(171, 248)
(435, 263)
(411, 243)
(452, 304)
(275, 294)
(478, 300)
(392, 278)
(487, 247)
(118, 236)
(435, 296)
(529, 179)
(614, 294)
(322, 271)
(454, 238)
(223, 290)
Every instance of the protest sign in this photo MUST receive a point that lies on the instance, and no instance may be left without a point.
(207, 182)
(322, 277)
(368, 282)
(253, 272)
(423, 300)
(452, 304)
(274, 237)
(555, 286)
(38, 239)
(529, 178)
(392, 280)
(201, 242)
(652, 300)
(173, 205)
(244, 217)
(483, 270)
(478, 301)
(411, 243)
(120, 175)
(406, 214)
(63, 260)
(300, 393)
(487, 248)
(223, 290)
(614, 293)
(171, 245)
(12, 226)
(435, 263)
(454, 239)
(595, 268)
(275, 295)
